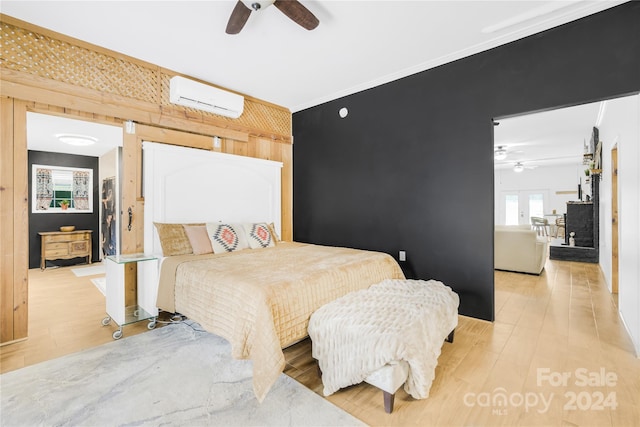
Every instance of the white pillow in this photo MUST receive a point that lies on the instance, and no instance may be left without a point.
(226, 237)
(258, 235)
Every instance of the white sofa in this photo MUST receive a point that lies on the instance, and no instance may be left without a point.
(519, 248)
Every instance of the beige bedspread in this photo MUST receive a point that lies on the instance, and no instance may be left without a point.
(260, 300)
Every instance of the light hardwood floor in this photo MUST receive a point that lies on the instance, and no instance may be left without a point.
(65, 315)
(562, 322)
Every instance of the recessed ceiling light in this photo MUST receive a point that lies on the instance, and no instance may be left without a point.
(78, 140)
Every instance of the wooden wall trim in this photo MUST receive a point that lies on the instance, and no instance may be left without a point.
(14, 250)
(21, 220)
(23, 86)
(116, 85)
(6, 220)
(168, 136)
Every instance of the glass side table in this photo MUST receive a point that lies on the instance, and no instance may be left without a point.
(129, 302)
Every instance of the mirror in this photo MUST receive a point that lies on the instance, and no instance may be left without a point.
(59, 189)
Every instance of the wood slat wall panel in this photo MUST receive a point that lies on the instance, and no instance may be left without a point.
(14, 247)
(130, 193)
(6, 220)
(154, 134)
(286, 158)
(20, 222)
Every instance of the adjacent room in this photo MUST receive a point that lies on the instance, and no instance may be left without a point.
(312, 212)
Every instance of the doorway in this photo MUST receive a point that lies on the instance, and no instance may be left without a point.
(62, 142)
(614, 219)
(67, 143)
(539, 142)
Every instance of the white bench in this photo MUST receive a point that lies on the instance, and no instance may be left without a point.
(387, 335)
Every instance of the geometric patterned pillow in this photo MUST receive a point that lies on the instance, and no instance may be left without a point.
(225, 238)
(258, 235)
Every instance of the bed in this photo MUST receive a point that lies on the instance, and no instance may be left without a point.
(259, 299)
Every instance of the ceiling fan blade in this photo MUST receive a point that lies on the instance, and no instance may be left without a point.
(297, 13)
(238, 18)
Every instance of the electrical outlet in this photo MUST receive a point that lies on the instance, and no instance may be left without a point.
(402, 256)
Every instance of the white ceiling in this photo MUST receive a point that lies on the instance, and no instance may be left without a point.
(358, 45)
(555, 137)
(42, 130)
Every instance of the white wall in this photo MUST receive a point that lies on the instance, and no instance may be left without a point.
(621, 126)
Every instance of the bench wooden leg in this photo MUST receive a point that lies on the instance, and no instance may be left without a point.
(388, 401)
(450, 337)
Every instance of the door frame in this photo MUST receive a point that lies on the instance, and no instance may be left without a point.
(614, 219)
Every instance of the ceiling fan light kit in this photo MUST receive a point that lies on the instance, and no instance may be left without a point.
(518, 167)
(293, 9)
(500, 153)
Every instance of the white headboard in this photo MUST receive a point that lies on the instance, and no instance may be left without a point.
(191, 185)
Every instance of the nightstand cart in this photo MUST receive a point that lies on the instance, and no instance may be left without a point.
(131, 290)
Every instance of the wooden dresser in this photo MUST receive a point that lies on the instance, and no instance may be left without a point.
(65, 245)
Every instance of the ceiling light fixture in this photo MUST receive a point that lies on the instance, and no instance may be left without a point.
(77, 140)
(500, 153)
(518, 167)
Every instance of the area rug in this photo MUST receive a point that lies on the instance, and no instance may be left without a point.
(88, 271)
(175, 375)
(101, 284)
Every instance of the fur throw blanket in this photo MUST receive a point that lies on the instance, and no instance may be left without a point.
(393, 320)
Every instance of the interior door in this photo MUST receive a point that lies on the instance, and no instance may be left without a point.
(517, 207)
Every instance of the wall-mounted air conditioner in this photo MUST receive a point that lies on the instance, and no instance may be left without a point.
(192, 94)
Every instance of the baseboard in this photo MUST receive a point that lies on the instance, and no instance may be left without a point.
(636, 345)
(14, 341)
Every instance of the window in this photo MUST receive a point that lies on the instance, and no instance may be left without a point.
(511, 209)
(58, 189)
(536, 205)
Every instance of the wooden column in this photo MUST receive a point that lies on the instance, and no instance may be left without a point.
(14, 248)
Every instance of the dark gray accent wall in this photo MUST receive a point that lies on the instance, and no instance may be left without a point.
(411, 167)
(53, 221)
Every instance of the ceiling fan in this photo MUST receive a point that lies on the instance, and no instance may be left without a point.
(519, 167)
(292, 8)
(502, 151)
